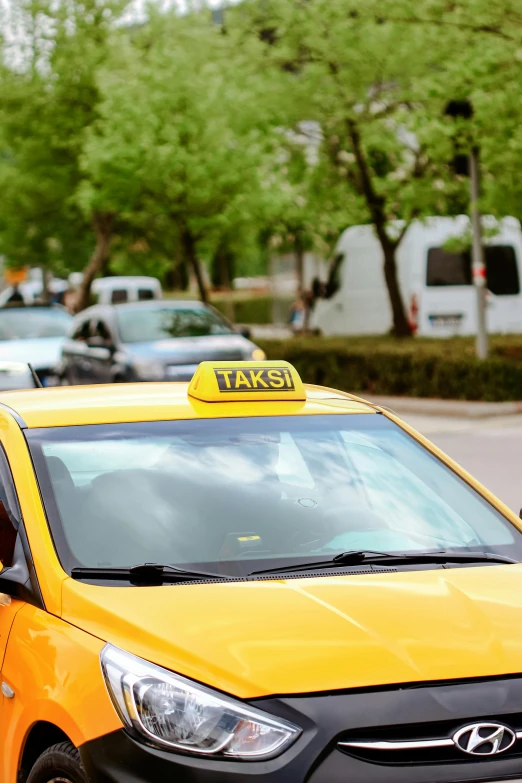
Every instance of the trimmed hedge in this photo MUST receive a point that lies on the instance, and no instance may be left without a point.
(256, 310)
(416, 368)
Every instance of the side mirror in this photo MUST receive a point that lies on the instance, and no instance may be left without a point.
(245, 331)
(15, 580)
(8, 586)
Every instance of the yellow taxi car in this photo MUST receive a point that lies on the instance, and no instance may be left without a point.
(249, 579)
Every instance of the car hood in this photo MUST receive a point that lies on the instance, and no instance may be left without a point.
(192, 350)
(257, 638)
(42, 353)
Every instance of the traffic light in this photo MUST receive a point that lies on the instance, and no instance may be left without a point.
(461, 109)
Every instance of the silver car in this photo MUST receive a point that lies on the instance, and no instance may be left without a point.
(149, 341)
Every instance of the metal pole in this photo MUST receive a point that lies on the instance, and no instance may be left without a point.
(478, 263)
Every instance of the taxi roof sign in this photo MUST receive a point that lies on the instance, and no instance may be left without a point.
(246, 382)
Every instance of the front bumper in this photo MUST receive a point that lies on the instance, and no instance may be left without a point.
(326, 720)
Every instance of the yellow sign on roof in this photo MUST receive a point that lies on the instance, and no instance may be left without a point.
(246, 381)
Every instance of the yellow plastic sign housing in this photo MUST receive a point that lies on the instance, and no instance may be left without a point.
(246, 381)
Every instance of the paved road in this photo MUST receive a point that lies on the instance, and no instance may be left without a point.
(490, 449)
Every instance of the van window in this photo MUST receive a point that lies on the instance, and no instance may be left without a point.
(145, 293)
(448, 269)
(502, 271)
(119, 295)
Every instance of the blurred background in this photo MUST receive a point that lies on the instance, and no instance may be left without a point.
(339, 180)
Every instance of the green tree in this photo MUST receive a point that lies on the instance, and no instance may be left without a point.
(479, 59)
(48, 96)
(311, 206)
(178, 146)
(368, 84)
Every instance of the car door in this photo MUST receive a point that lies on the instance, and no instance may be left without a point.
(100, 352)
(74, 354)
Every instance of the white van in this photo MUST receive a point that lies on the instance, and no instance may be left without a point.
(436, 285)
(118, 289)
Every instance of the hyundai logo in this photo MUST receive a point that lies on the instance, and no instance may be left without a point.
(484, 739)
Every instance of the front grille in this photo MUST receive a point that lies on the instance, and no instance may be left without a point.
(430, 743)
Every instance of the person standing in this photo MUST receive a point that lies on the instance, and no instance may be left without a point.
(16, 296)
(298, 314)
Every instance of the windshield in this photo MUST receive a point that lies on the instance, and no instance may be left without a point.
(26, 323)
(230, 495)
(148, 324)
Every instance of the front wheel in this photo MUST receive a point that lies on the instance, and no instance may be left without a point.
(58, 764)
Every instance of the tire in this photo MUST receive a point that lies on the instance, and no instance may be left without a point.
(58, 764)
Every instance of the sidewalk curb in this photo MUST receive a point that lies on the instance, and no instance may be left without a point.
(462, 409)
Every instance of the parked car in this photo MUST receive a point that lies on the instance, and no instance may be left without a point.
(149, 341)
(115, 290)
(436, 284)
(34, 334)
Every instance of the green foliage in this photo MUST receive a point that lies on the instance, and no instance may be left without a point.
(386, 146)
(419, 368)
(275, 133)
(479, 57)
(354, 70)
(47, 98)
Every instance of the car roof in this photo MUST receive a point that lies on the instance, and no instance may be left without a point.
(134, 402)
(35, 306)
(112, 282)
(144, 305)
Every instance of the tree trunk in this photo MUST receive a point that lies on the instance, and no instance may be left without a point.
(221, 277)
(401, 325)
(299, 265)
(177, 277)
(189, 249)
(46, 294)
(102, 223)
(375, 203)
(219, 267)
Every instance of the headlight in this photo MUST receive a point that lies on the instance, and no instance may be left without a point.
(173, 712)
(258, 355)
(149, 370)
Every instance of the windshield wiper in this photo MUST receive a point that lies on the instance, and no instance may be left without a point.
(355, 558)
(145, 574)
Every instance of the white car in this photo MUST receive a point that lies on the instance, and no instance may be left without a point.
(17, 375)
(119, 289)
(34, 335)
